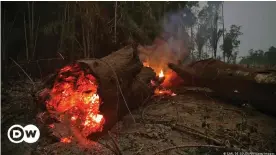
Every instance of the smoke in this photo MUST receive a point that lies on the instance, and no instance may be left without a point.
(172, 44)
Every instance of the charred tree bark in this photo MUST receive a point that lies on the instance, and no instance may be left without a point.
(232, 81)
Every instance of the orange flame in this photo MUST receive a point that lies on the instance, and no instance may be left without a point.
(146, 64)
(170, 79)
(75, 95)
(161, 74)
(164, 92)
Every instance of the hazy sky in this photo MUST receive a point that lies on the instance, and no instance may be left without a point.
(258, 21)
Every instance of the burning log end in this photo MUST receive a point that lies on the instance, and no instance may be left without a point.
(128, 90)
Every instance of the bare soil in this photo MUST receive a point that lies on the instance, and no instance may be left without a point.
(191, 122)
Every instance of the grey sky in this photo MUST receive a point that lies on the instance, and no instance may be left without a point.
(258, 21)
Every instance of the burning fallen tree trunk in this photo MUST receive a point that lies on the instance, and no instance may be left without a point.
(232, 81)
(92, 95)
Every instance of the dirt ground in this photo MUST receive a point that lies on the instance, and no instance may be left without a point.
(191, 122)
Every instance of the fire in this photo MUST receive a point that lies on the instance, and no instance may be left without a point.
(168, 77)
(164, 92)
(74, 95)
(98, 118)
(161, 74)
(171, 79)
(146, 64)
(164, 79)
(73, 118)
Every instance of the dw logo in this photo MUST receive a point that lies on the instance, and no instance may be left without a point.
(29, 134)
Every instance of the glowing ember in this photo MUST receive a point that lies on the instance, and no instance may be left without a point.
(98, 118)
(66, 140)
(164, 92)
(73, 118)
(74, 94)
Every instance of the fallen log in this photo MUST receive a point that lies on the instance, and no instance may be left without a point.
(123, 85)
(232, 81)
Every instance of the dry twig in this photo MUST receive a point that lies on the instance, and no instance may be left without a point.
(197, 133)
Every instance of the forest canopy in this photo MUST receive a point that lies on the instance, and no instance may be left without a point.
(40, 31)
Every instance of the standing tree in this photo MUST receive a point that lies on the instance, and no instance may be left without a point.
(189, 20)
(231, 42)
(222, 17)
(201, 38)
(214, 32)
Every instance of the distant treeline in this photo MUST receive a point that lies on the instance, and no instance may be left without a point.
(260, 57)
